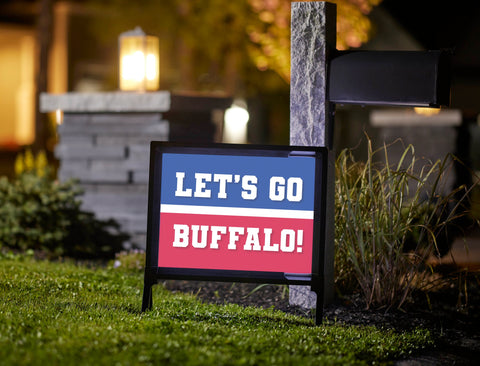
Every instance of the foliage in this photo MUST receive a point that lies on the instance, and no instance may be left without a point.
(269, 31)
(222, 47)
(217, 44)
(41, 214)
(390, 219)
(59, 313)
(29, 163)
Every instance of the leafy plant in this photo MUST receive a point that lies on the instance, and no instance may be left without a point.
(41, 214)
(389, 220)
(30, 163)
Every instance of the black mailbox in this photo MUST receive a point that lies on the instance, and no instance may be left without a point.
(408, 78)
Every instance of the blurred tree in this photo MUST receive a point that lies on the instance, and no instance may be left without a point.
(269, 31)
(237, 47)
(44, 35)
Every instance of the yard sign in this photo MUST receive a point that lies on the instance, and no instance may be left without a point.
(235, 213)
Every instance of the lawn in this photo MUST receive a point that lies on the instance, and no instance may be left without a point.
(62, 313)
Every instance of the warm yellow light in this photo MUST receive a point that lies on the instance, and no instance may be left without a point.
(236, 123)
(59, 116)
(133, 67)
(426, 111)
(151, 67)
(139, 61)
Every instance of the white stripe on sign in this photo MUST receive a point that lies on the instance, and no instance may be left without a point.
(236, 211)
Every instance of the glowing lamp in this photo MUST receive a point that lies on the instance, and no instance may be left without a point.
(236, 120)
(426, 111)
(139, 61)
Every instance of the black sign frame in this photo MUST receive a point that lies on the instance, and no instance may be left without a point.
(153, 273)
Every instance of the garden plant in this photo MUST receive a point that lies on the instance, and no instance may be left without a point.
(390, 220)
(42, 214)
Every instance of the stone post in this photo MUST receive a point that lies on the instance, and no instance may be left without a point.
(313, 37)
(104, 143)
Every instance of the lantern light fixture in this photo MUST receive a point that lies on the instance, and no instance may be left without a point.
(139, 61)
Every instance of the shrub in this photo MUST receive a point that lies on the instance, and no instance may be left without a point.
(389, 219)
(41, 214)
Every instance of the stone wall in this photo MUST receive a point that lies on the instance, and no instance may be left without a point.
(104, 143)
(109, 154)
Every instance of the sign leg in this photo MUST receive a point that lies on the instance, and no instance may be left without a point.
(319, 307)
(147, 295)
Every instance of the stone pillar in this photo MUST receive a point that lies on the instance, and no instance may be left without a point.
(313, 35)
(104, 143)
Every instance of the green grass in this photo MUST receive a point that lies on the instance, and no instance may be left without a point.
(60, 313)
